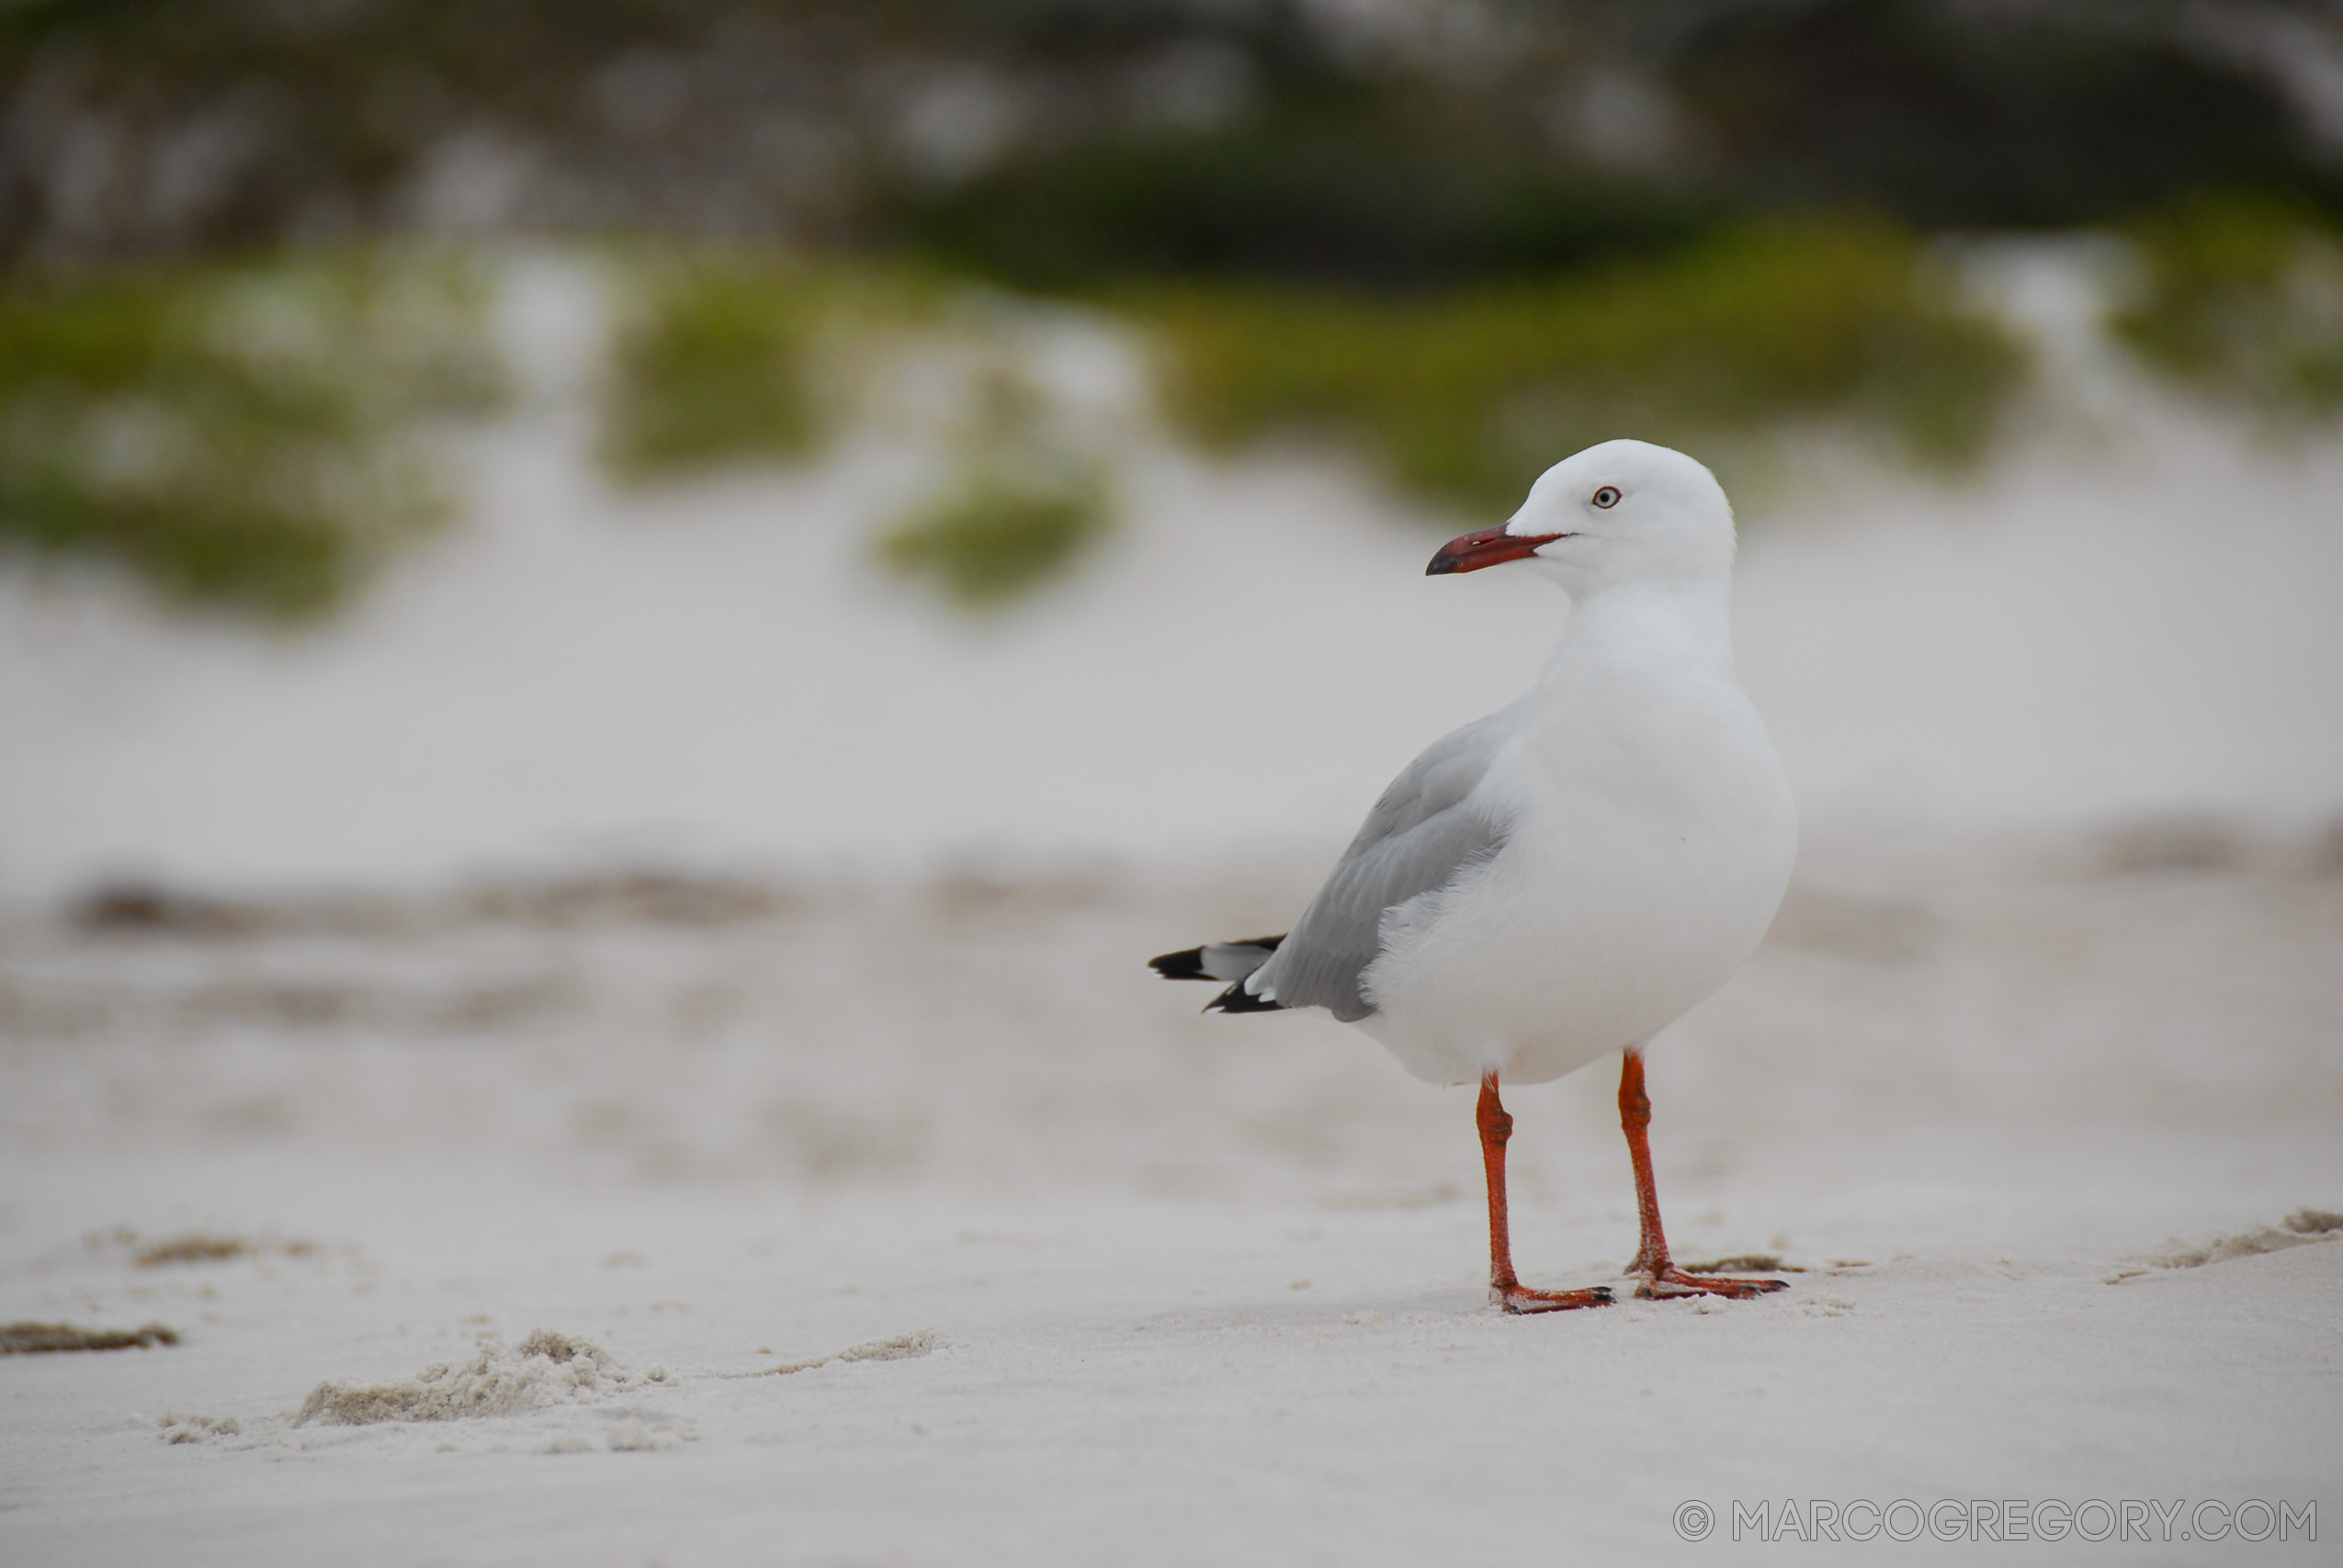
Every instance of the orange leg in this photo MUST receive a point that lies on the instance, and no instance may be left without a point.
(1505, 1289)
(1660, 1276)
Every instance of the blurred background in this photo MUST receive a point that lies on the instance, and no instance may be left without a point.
(692, 585)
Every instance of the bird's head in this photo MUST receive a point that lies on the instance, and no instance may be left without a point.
(1621, 512)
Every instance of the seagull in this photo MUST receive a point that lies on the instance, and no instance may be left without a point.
(1564, 878)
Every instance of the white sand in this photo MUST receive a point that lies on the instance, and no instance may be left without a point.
(1200, 1289)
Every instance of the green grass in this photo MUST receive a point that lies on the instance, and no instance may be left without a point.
(1463, 395)
(739, 355)
(1027, 498)
(1466, 396)
(714, 366)
(243, 437)
(2243, 299)
(990, 541)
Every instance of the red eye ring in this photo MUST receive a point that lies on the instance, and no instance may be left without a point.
(1607, 497)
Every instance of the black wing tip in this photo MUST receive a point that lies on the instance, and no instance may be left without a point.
(1184, 965)
(1188, 962)
(1235, 998)
(1188, 965)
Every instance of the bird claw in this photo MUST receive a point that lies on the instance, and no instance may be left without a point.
(1522, 1301)
(1670, 1284)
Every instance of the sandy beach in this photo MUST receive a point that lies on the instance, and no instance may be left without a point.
(1133, 1285)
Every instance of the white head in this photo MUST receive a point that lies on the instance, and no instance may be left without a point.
(1621, 512)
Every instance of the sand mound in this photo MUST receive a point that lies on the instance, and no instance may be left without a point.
(2302, 1227)
(544, 1370)
(178, 1428)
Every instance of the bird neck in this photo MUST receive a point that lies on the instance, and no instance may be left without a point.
(1668, 629)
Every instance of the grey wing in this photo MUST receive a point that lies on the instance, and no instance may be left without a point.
(1425, 830)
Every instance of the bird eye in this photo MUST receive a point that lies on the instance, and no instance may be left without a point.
(1608, 496)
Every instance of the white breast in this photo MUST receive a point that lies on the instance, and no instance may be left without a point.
(1652, 837)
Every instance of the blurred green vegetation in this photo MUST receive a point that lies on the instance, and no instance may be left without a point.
(1027, 497)
(736, 355)
(1467, 239)
(996, 537)
(1267, 137)
(2243, 299)
(1353, 183)
(741, 355)
(1467, 395)
(712, 366)
(238, 437)
(1462, 394)
(1949, 114)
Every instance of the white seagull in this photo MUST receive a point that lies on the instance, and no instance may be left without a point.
(1572, 873)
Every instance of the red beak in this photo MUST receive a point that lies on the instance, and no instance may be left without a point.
(1486, 547)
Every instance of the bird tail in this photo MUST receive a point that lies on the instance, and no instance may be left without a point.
(1229, 964)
